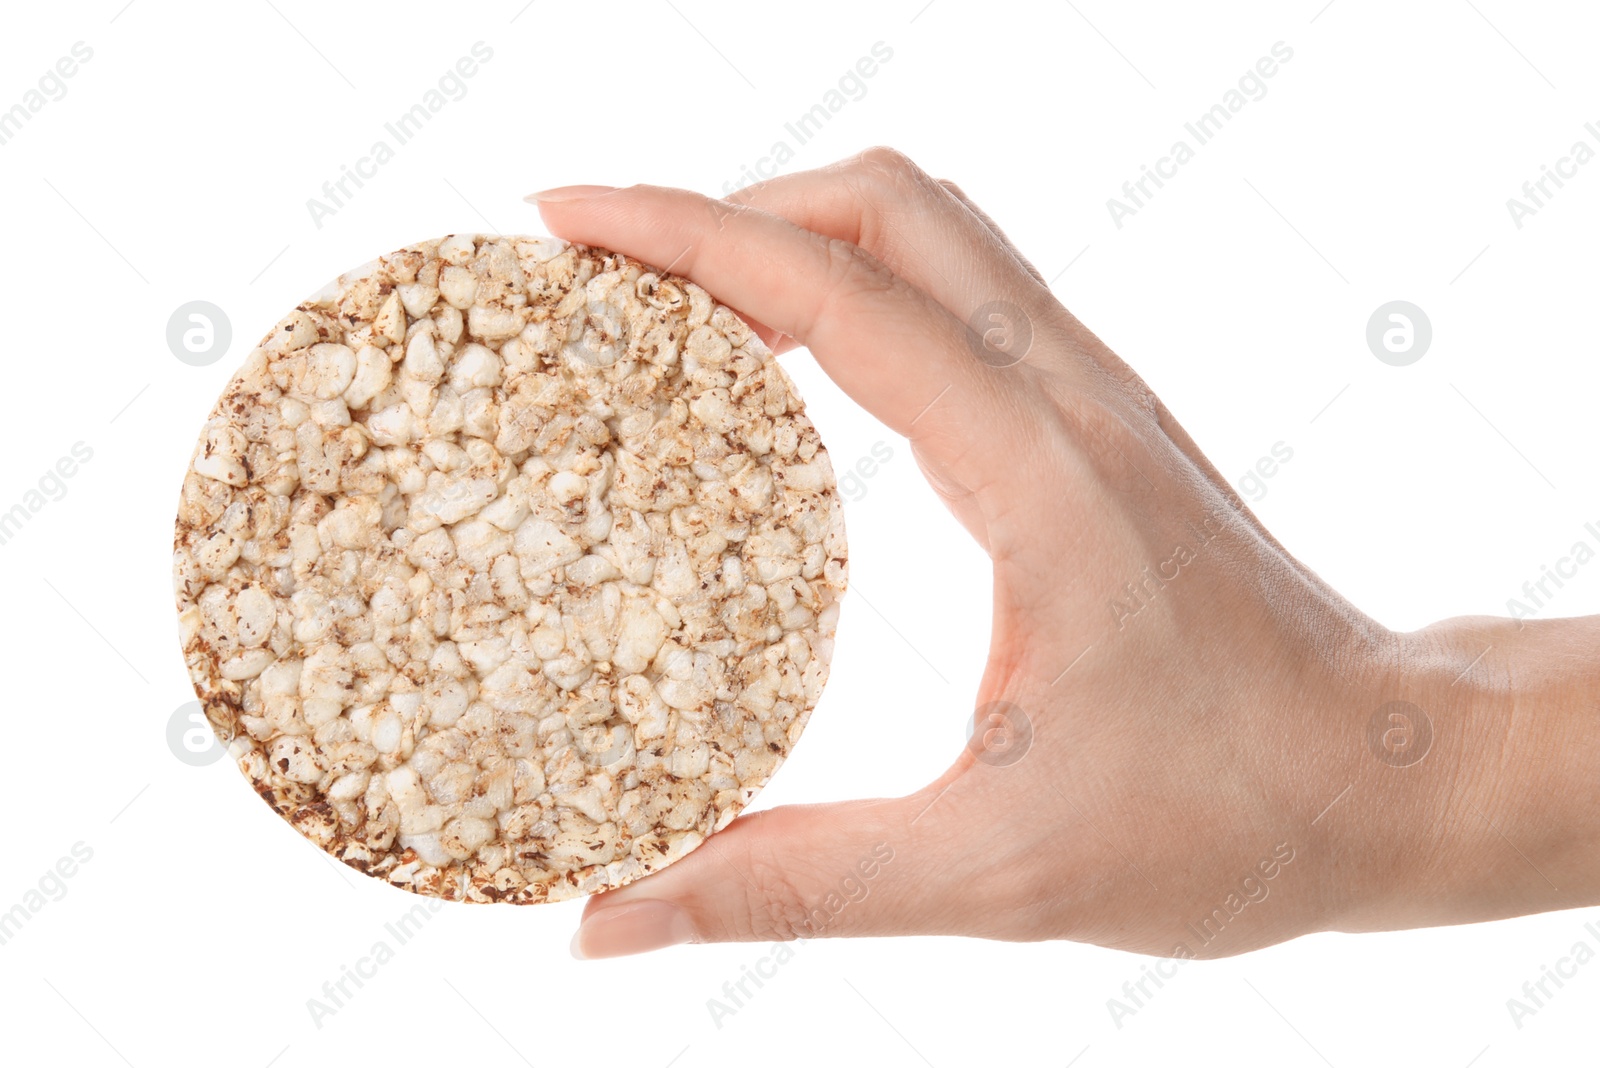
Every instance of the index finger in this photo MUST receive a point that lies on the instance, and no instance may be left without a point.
(899, 353)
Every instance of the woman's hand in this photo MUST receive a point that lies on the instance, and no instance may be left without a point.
(1178, 720)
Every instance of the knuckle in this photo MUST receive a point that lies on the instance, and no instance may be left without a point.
(640, 192)
(723, 211)
(891, 174)
(1091, 421)
(851, 273)
(743, 198)
(845, 259)
(776, 908)
(1032, 905)
(1104, 433)
(883, 161)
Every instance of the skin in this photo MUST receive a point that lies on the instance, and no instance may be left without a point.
(1154, 762)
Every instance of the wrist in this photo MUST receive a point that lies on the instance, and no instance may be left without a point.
(1487, 778)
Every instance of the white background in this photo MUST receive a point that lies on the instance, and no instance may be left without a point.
(1377, 167)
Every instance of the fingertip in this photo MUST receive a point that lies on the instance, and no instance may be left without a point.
(776, 341)
(630, 928)
(563, 193)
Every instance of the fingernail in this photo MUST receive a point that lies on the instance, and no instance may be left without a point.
(567, 192)
(634, 928)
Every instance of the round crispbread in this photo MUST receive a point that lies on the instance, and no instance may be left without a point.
(509, 568)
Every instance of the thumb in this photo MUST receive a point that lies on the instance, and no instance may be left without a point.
(800, 871)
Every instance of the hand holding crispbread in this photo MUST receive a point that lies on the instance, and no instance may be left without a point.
(1215, 761)
(510, 569)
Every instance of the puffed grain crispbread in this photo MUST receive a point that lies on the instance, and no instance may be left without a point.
(509, 568)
